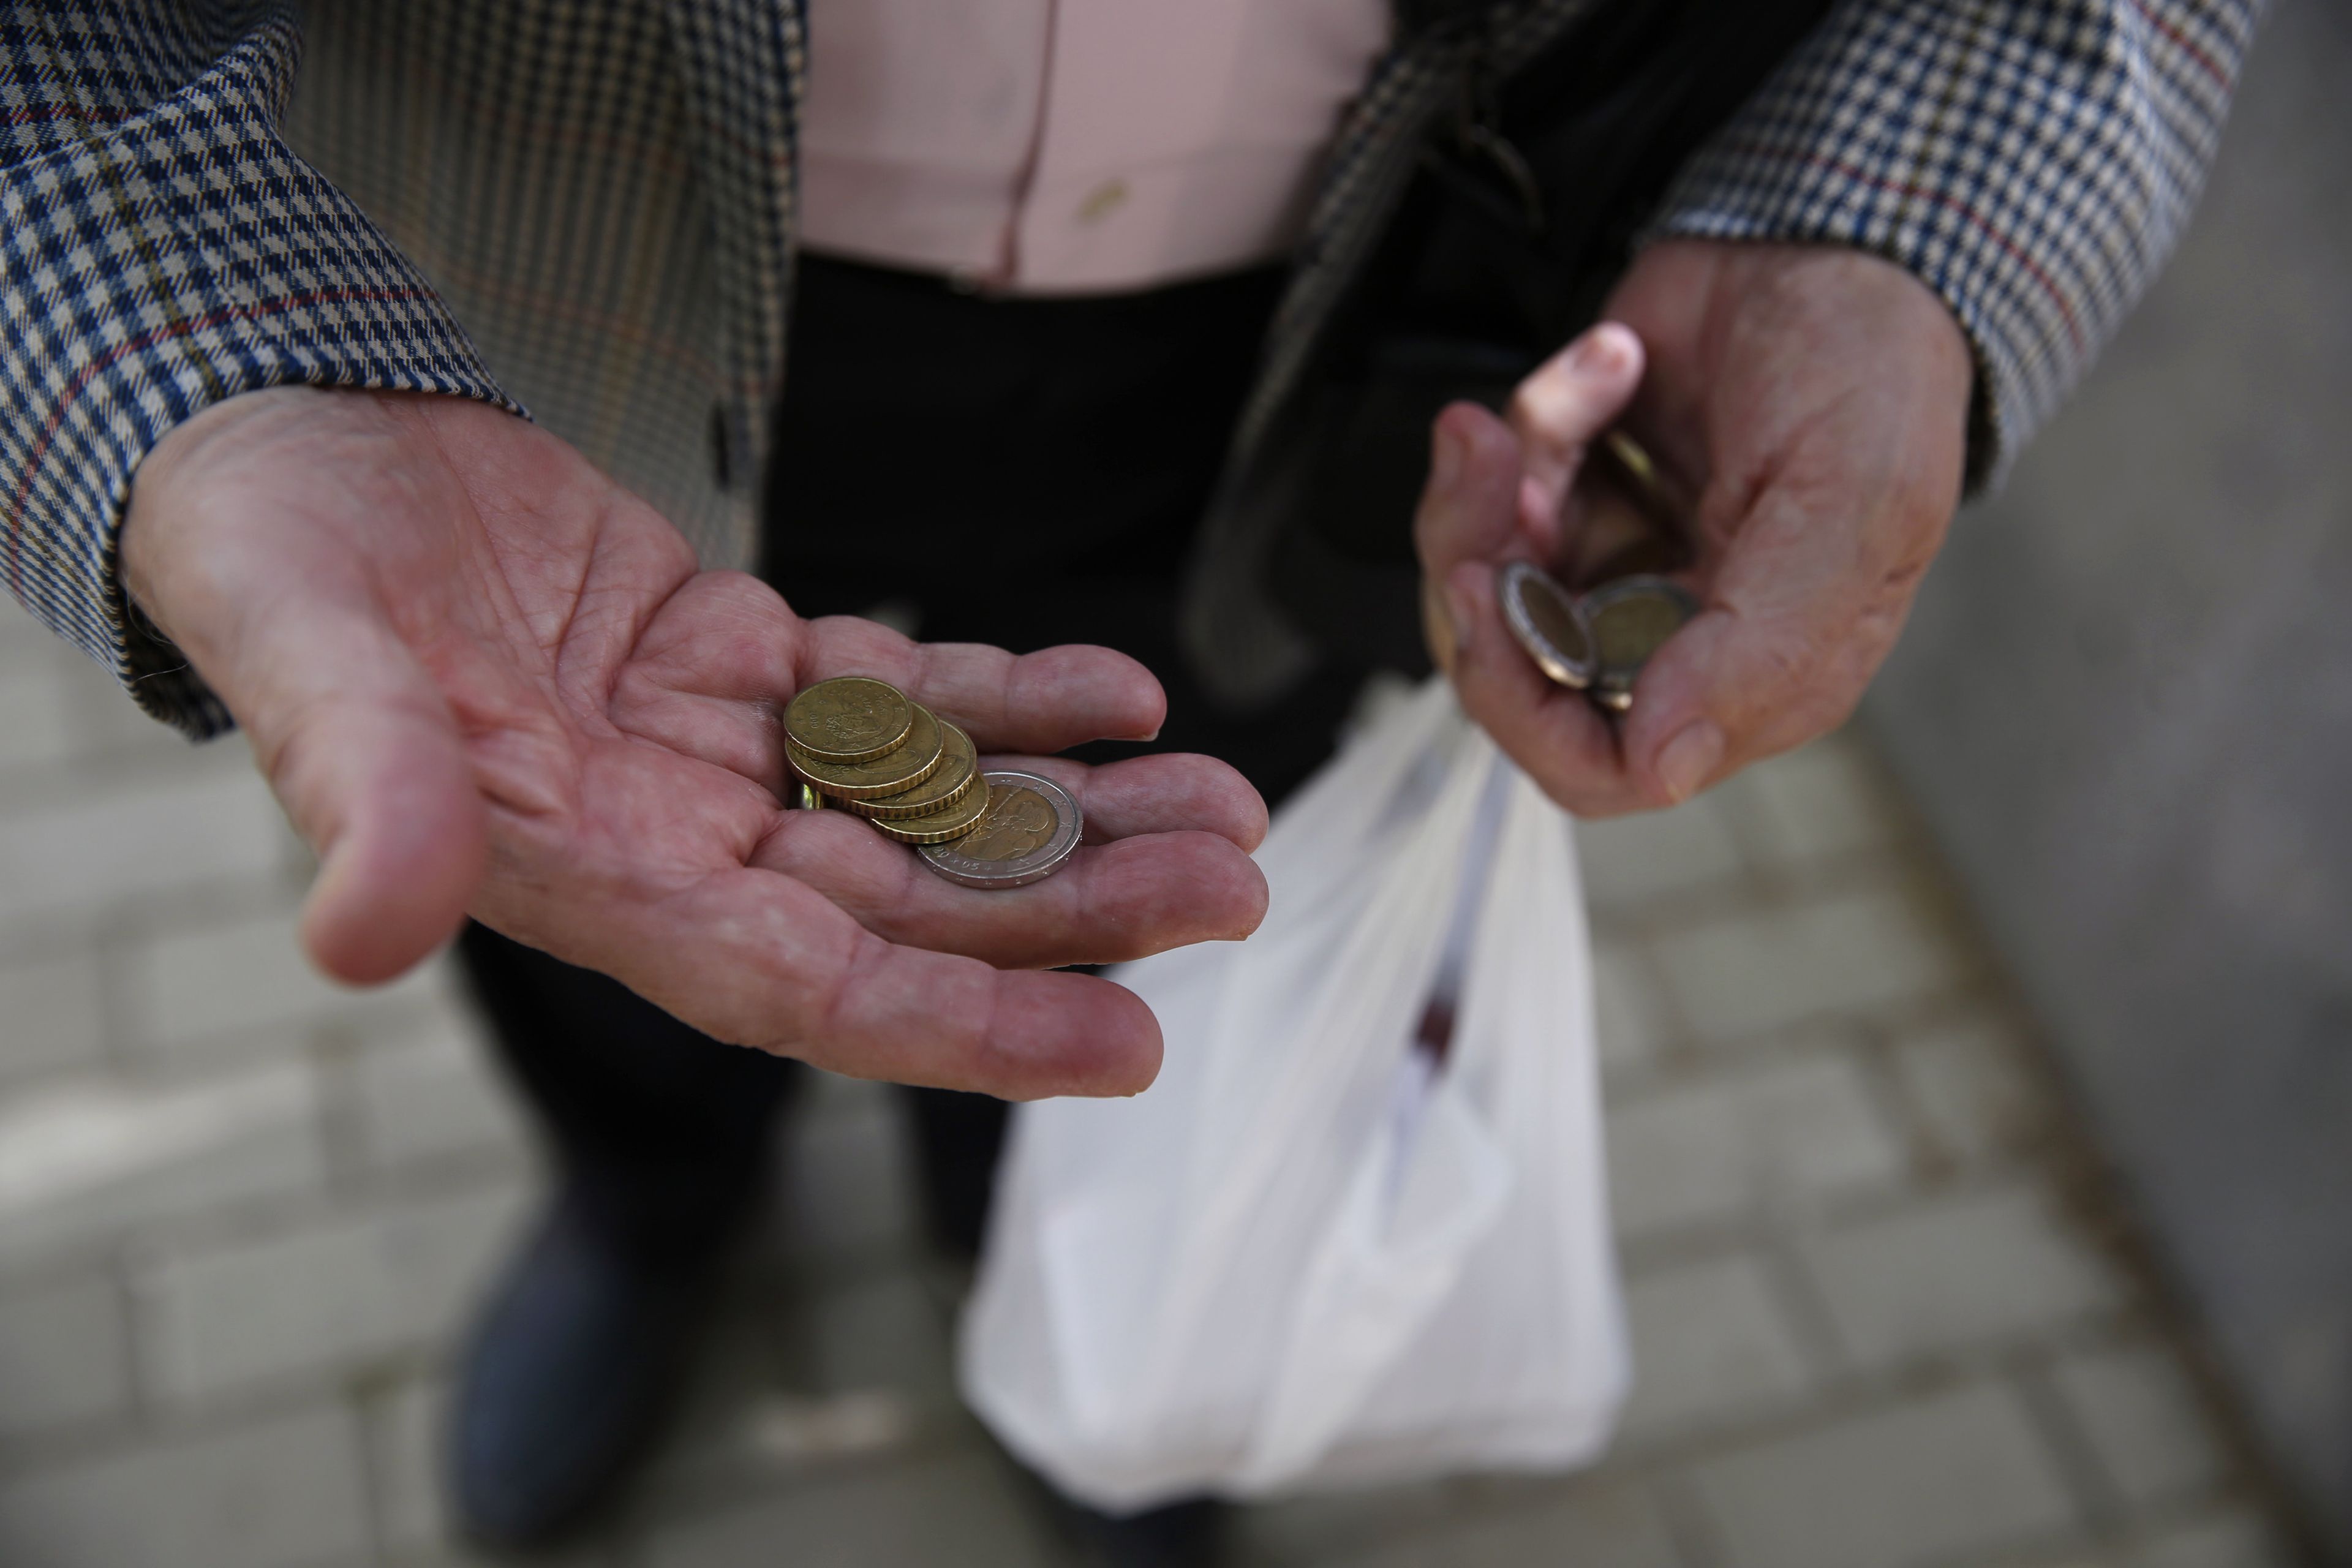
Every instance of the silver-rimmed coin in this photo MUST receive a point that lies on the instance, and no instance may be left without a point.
(1630, 619)
(1031, 826)
(1547, 622)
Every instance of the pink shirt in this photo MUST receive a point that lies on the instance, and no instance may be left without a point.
(1070, 146)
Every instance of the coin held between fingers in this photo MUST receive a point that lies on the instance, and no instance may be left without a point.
(1596, 643)
(1630, 619)
(1546, 620)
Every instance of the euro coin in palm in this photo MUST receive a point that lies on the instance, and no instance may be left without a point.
(956, 775)
(896, 771)
(924, 788)
(1030, 827)
(849, 718)
(938, 826)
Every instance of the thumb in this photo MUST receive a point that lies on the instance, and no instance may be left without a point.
(239, 543)
(1787, 641)
(365, 756)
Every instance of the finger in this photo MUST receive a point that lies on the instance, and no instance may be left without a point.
(1109, 903)
(1468, 513)
(1175, 792)
(1144, 881)
(362, 750)
(711, 671)
(1570, 399)
(759, 960)
(1043, 702)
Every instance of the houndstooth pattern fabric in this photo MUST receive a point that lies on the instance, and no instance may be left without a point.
(160, 250)
(586, 207)
(2033, 161)
(603, 194)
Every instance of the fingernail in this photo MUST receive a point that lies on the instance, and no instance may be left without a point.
(1599, 350)
(1445, 459)
(1686, 761)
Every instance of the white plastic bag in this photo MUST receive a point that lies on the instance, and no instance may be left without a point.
(1311, 1253)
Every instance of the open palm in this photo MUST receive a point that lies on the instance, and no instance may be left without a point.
(484, 679)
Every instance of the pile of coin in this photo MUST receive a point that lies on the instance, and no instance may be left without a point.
(863, 746)
(1634, 529)
(1595, 644)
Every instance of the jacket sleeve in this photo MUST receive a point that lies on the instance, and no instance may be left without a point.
(160, 250)
(2031, 161)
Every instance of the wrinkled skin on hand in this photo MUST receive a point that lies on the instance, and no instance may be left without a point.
(482, 677)
(1811, 404)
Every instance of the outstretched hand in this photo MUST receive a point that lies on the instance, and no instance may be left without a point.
(1810, 405)
(484, 679)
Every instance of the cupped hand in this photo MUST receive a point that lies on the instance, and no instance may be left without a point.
(1810, 405)
(482, 677)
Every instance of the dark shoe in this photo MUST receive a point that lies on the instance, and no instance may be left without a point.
(1188, 1534)
(572, 1366)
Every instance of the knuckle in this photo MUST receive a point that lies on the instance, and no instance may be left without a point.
(1543, 411)
(1526, 406)
(1784, 665)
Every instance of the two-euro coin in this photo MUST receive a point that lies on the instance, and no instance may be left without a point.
(1598, 642)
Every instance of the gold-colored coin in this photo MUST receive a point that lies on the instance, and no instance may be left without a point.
(1636, 458)
(849, 718)
(957, 771)
(895, 770)
(1019, 822)
(1632, 618)
(1631, 625)
(940, 825)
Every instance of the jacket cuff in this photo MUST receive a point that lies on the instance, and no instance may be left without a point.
(2031, 162)
(152, 265)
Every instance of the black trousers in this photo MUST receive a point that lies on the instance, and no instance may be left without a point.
(1021, 472)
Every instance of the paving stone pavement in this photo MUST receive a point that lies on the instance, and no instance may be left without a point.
(1885, 1312)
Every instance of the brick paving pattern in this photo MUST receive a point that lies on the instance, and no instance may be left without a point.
(1883, 1315)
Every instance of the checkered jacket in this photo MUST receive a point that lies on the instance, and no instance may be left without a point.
(586, 207)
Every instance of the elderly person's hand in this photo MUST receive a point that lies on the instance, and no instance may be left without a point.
(1814, 403)
(483, 678)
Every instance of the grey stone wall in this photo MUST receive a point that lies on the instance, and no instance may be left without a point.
(2126, 705)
